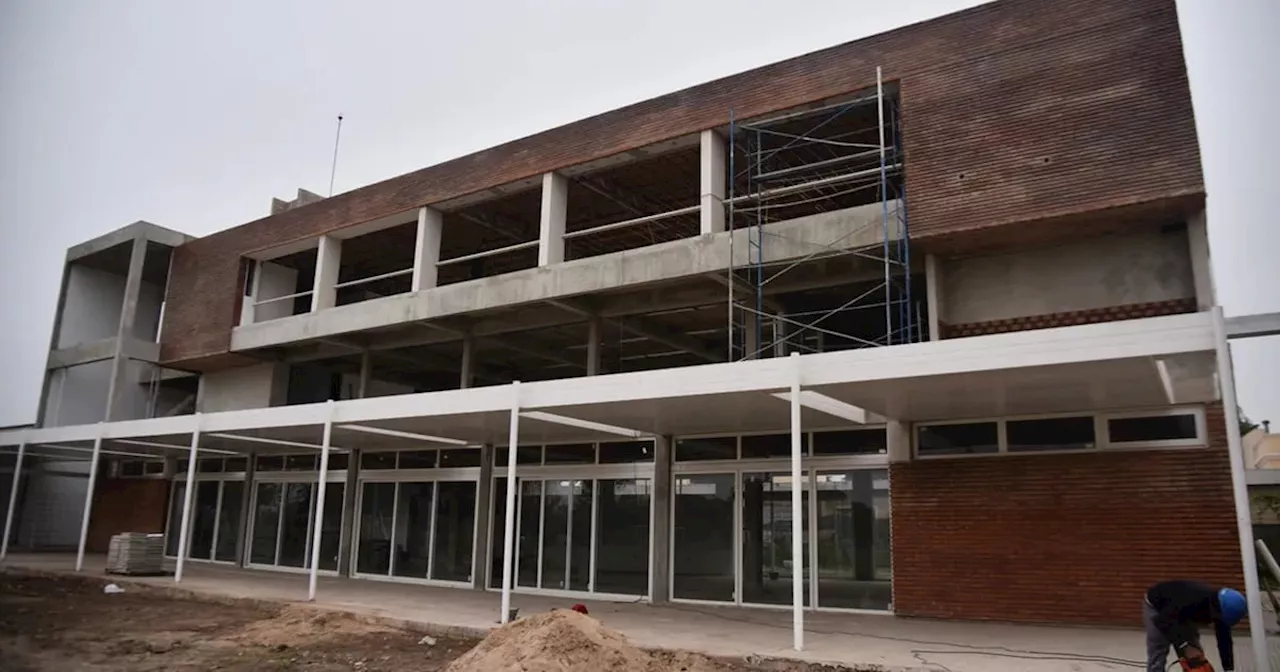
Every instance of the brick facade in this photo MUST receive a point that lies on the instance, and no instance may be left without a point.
(126, 505)
(1071, 538)
(1131, 311)
(1013, 112)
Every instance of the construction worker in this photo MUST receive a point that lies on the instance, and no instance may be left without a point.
(1172, 614)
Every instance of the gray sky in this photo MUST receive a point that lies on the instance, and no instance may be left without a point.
(193, 115)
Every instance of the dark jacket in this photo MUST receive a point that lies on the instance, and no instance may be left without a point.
(1181, 606)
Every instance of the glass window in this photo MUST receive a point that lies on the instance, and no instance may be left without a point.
(173, 530)
(703, 537)
(373, 461)
(413, 530)
(266, 524)
(270, 462)
(576, 453)
(418, 459)
(1026, 436)
(237, 464)
(528, 517)
(1153, 428)
(337, 462)
(209, 465)
(626, 452)
(295, 525)
(153, 467)
(131, 468)
(524, 455)
(331, 526)
(497, 531)
(204, 515)
(711, 448)
(850, 442)
(301, 462)
(767, 519)
(229, 521)
(622, 540)
(967, 439)
(454, 525)
(376, 512)
(460, 457)
(854, 567)
(182, 466)
(768, 445)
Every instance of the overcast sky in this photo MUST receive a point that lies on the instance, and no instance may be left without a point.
(192, 115)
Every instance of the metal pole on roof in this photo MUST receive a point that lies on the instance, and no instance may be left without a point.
(188, 496)
(797, 511)
(333, 171)
(1239, 491)
(88, 498)
(508, 538)
(324, 477)
(13, 501)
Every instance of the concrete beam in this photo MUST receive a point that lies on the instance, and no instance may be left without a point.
(741, 288)
(85, 353)
(647, 328)
(427, 249)
(1253, 326)
(712, 182)
(138, 229)
(540, 353)
(555, 203)
(324, 293)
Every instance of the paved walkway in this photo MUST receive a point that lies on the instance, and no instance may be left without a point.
(896, 643)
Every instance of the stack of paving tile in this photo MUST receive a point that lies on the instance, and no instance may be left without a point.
(136, 553)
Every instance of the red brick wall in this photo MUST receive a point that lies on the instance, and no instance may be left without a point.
(1013, 112)
(1060, 538)
(1031, 322)
(126, 505)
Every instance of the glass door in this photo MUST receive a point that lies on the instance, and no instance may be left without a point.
(767, 516)
(283, 515)
(853, 539)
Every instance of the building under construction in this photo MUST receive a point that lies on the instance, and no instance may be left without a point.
(922, 324)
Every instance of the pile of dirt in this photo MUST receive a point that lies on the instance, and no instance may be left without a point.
(557, 641)
(298, 625)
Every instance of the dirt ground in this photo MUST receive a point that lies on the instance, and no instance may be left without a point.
(68, 623)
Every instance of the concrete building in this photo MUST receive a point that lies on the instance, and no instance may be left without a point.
(983, 237)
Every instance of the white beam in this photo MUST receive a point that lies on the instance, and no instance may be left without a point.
(1250, 326)
(88, 498)
(583, 424)
(829, 405)
(712, 182)
(555, 202)
(797, 507)
(405, 435)
(508, 534)
(328, 261)
(13, 501)
(319, 523)
(427, 249)
(188, 496)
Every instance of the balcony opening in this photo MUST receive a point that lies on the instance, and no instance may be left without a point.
(378, 264)
(492, 237)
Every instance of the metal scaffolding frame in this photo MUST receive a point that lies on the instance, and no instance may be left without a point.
(821, 168)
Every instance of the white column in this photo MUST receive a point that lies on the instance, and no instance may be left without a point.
(797, 509)
(1201, 268)
(555, 203)
(13, 501)
(328, 260)
(712, 182)
(188, 497)
(427, 251)
(319, 523)
(933, 294)
(593, 345)
(898, 440)
(88, 498)
(509, 526)
(1239, 491)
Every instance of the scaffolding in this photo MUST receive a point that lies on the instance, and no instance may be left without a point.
(831, 157)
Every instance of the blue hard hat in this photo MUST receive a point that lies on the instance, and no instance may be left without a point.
(1233, 605)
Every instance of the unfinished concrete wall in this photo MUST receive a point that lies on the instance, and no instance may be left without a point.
(273, 281)
(77, 395)
(54, 504)
(257, 386)
(146, 323)
(1148, 266)
(93, 305)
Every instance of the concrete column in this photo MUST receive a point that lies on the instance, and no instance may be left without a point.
(480, 549)
(328, 260)
(594, 327)
(898, 441)
(43, 406)
(350, 493)
(1201, 269)
(555, 203)
(750, 335)
(712, 182)
(468, 364)
(427, 251)
(660, 554)
(249, 311)
(933, 290)
(246, 501)
(128, 315)
(780, 343)
(366, 372)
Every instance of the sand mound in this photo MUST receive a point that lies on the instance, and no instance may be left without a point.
(298, 625)
(557, 641)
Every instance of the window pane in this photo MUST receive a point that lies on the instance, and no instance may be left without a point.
(413, 530)
(229, 521)
(626, 452)
(371, 461)
(132, 468)
(1152, 428)
(418, 459)
(850, 442)
(374, 553)
(853, 539)
(1027, 436)
(555, 533)
(337, 462)
(266, 524)
(497, 532)
(768, 445)
(331, 527)
(296, 523)
(971, 439)
(204, 514)
(582, 495)
(766, 537)
(527, 534)
(209, 465)
(455, 522)
(459, 457)
(150, 468)
(270, 462)
(237, 464)
(577, 453)
(712, 448)
(524, 455)
(622, 540)
(175, 518)
(703, 537)
(301, 462)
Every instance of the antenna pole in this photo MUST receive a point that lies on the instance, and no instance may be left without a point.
(334, 170)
